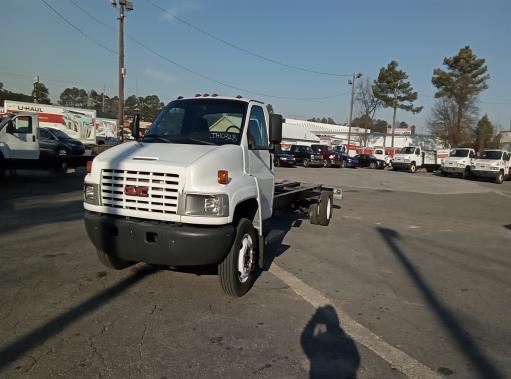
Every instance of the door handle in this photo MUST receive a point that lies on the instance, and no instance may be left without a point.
(33, 138)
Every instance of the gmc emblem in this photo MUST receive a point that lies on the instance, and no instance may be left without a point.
(140, 191)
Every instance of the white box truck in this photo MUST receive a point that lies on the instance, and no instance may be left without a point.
(493, 164)
(459, 162)
(196, 190)
(412, 158)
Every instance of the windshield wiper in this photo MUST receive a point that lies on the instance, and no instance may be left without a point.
(157, 137)
(190, 139)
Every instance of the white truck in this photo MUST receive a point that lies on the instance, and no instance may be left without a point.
(21, 146)
(459, 162)
(494, 164)
(412, 158)
(196, 190)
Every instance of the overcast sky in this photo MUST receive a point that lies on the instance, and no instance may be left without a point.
(339, 37)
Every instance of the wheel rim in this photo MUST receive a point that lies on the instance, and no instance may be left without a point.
(62, 152)
(328, 209)
(245, 258)
(412, 168)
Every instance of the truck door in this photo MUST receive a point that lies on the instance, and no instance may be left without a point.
(259, 159)
(21, 138)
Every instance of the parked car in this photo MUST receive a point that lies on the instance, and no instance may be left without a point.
(366, 160)
(331, 158)
(348, 161)
(283, 158)
(54, 142)
(305, 156)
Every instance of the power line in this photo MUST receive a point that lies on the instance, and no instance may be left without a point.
(242, 49)
(480, 101)
(183, 67)
(77, 28)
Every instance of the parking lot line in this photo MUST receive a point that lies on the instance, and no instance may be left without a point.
(395, 357)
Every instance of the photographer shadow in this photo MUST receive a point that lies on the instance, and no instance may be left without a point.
(331, 352)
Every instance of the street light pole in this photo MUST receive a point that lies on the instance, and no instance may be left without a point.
(352, 82)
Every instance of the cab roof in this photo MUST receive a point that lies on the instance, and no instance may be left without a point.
(216, 96)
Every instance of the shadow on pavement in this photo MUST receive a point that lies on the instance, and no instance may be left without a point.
(508, 226)
(27, 342)
(331, 352)
(275, 231)
(466, 344)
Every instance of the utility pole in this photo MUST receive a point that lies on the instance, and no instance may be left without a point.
(103, 100)
(124, 5)
(352, 82)
(35, 82)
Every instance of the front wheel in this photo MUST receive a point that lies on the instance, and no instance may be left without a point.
(466, 173)
(372, 165)
(413, 168)
(306, 162)
(238, 271)
(500, 178)
(343, 164)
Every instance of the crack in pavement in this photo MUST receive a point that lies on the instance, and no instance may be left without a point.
(141, 342)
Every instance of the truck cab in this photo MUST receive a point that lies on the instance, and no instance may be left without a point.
(494, 164)
(459, 162)
(19, 140)
(195, 190)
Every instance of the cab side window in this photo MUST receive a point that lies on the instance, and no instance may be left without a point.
(22, 124)
(256, 133)
(506, 156)
(472, 154)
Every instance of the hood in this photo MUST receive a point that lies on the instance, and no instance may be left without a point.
(402, 156)
(487, 162)
(455, 159)
(178, 155)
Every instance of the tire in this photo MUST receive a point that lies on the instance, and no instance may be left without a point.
(466, 173)
(372, 165)
(313, 214)
(344, 164)
(61, 166)
(276, 163)
(306, 162)
(413, 168)
(500, 178)
(443, 173)
(111, 261)
(325, 207)
(233, 281)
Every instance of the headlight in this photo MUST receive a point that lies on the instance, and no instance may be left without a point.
(461, 164)
(407, 160)
(493, 168)
(207, 205)
(331, 156)
(90, 193)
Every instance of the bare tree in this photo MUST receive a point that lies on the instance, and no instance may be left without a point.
(444, 120)
(367, 104)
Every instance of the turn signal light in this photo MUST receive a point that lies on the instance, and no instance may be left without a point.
(223, 176)
(89, 166)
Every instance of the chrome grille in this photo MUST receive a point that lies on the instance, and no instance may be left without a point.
(161, 196)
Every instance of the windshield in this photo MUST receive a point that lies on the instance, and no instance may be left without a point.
(199, 121)
(59, 134)
(459, 153)
(488, 154)
(407, 150)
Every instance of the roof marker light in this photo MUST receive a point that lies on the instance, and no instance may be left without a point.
(179, 97)
(206, 95)
(239, 97)
(197, 95)
(214, 95)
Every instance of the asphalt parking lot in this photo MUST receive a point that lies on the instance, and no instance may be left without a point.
(411, 278)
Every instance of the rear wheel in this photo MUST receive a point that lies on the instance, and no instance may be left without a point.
(372, 165)
(306, 162)
(276, 162)
(238, 271)
(344, 164)
(325, 207)
(112, 262)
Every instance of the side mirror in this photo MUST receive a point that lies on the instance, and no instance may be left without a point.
(9, 128)
(275, 129)
(135, 127)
